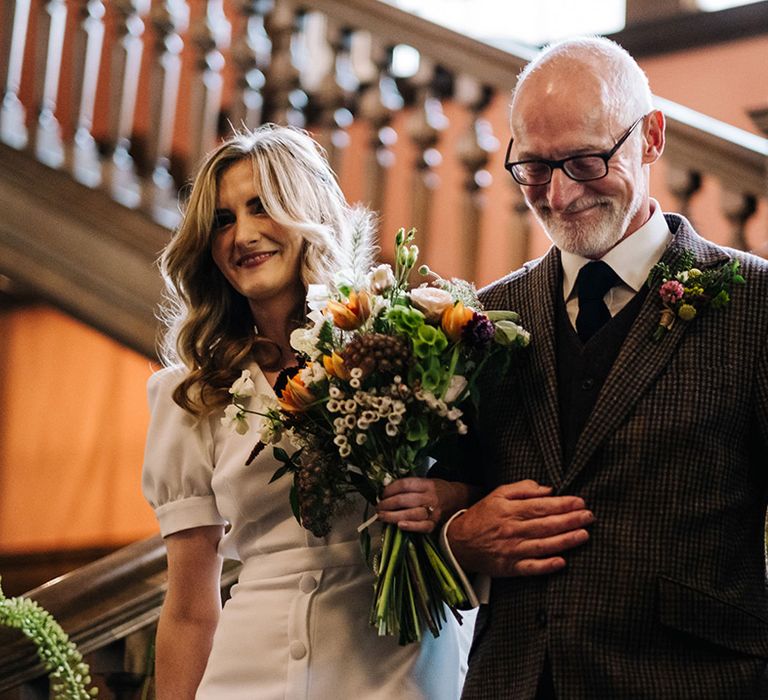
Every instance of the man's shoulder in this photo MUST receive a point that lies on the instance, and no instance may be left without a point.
(684, 231)
(498, 293)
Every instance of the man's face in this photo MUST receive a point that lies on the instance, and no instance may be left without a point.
(554, 118)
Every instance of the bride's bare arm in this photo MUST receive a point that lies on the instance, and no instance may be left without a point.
(190, 611)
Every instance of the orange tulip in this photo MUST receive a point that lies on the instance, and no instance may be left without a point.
(353, 314)
(295, 397)
(454, 319)
(334, 365)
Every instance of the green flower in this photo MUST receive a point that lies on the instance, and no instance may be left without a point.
(510, 333)
(405, 319)
(720, 299)
(429, 340)
(416, 431)
(429, 373)
(686, 312)
(69, 675)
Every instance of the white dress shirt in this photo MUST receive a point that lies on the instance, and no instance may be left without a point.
(631, 259)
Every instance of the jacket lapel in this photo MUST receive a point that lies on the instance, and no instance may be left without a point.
(641, 359)
(537, 377)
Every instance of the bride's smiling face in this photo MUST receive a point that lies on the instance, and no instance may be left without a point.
(257, 256)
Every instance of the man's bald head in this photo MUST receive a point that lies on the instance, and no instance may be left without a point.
(599, 67)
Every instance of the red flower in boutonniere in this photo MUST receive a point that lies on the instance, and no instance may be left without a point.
(685, 290)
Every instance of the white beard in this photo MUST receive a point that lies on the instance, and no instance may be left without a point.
(588, 238)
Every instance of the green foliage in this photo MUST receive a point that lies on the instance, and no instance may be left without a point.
(68, 673)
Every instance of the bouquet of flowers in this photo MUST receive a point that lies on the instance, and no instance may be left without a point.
(385, 370)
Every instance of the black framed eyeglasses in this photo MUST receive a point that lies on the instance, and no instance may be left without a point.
(582, 168)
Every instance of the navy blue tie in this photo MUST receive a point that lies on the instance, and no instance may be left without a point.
(592, 284)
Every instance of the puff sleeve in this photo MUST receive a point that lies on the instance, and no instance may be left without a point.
(178, 460)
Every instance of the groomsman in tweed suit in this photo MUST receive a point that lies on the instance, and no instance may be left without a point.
(626, 476)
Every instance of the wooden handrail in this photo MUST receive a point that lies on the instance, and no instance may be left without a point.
(738, 158)
(98, 603)
(455, 52)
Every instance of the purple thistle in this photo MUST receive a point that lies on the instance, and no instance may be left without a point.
(478, 332)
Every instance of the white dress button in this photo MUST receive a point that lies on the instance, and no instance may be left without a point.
(307, 583)
(298, 650)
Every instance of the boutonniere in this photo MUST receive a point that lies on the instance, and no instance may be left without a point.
(685, 291)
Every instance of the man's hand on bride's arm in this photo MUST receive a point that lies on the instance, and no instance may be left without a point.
(420, 505)
(519, 529)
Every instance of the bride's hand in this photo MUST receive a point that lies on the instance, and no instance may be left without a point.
(420, 505)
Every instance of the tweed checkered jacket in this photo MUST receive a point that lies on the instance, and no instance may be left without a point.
(668, 598)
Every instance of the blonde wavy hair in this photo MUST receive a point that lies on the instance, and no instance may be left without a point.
(208, 326)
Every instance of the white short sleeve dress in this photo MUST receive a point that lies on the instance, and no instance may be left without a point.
(296, 625)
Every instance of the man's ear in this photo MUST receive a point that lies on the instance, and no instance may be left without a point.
(653, 137)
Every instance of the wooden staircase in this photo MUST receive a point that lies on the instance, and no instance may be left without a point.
(108, 106)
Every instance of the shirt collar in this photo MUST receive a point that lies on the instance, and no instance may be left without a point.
(631, 259)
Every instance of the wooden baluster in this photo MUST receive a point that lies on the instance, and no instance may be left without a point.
(170, 20)
(82, 153)
(334, 95)
(424, 127)
(378, 103)
(15, 19)
(285, 100)
(49, 145)
(759, 117)
(682, 184)
(211, 36)
(474, 149)
(124, 184)
(738, 208)
(251, 53)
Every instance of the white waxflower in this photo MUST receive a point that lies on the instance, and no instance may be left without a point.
(243, 386)
(380, 279)
(305, 340)
(235, 419)
(455, 389)
(313, 373)
(431, 300)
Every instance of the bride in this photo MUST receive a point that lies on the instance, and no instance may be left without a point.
(265, 218)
